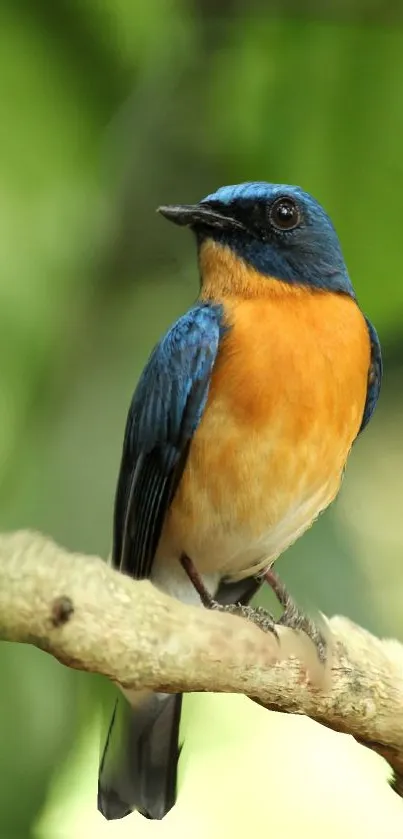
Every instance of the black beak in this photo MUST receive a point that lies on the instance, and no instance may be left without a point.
(194, 215)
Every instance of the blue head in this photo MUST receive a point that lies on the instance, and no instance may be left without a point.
(279, 230)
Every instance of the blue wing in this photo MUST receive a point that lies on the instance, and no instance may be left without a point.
(374, 376)
(164, 414)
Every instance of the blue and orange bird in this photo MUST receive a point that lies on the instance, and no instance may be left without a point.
(237, 435)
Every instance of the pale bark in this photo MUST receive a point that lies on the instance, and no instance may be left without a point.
(93, 618)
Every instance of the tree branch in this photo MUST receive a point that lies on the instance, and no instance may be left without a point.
(93, 618)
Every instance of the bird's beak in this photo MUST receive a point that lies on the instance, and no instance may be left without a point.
(203, 215)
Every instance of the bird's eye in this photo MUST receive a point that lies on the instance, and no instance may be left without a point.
(284, 214)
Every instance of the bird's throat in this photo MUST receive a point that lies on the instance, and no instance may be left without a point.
(224, 275)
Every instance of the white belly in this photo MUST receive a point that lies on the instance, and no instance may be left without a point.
(233, 553)
(245, 560)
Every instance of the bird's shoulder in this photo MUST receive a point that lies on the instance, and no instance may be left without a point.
(180, 361)
(197, 330)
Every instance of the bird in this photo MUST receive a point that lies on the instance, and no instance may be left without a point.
(237, 436)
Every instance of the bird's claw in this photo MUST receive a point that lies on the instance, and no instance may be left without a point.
(259, 616)
(293, 617)
(263, 619)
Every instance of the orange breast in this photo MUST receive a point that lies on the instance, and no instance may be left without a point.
(285, 405)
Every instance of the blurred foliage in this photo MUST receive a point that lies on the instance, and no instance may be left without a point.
(110, 107)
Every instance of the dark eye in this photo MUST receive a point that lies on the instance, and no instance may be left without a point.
(284, 214)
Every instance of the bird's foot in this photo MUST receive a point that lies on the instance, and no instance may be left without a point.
(259, 616)
(293, 617)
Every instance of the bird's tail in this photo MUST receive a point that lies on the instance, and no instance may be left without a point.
(138, 766)
(139, 762)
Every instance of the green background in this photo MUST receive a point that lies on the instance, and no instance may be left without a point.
(109, 108)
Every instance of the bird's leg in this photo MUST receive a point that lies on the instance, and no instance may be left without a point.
(197, 582)
(259, 616)
(292, 615)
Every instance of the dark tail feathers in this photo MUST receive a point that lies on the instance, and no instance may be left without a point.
(139, 763)
(138, 767)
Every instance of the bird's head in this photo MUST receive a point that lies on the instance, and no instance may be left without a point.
(276, 230)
